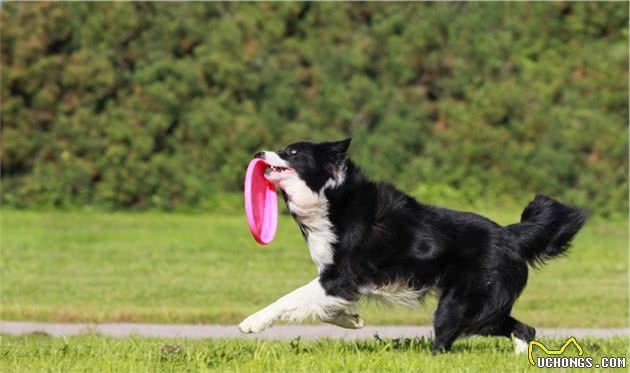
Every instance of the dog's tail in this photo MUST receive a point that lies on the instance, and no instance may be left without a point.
(546, 229)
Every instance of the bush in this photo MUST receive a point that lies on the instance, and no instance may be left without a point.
(162, 104)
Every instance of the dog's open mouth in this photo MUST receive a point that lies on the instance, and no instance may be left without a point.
(277, 173)
(279, 169)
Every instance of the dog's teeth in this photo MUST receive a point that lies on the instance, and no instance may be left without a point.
(278, 168)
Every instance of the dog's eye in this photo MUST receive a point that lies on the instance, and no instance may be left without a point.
(292, 151)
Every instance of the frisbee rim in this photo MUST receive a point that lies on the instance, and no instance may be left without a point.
(269, 223)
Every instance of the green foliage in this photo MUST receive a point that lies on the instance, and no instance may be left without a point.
(162, 104)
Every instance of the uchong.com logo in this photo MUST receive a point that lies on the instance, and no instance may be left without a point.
(555, 360)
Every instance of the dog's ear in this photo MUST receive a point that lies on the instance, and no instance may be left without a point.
(337, 148)
(334, 154)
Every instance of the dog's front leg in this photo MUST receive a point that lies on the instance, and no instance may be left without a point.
(309, 301)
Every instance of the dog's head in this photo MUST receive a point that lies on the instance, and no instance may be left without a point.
(307, 164)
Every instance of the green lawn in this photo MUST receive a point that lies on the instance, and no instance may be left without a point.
(157, 267)
(94, 353)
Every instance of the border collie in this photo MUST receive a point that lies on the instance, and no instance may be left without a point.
(368, 239)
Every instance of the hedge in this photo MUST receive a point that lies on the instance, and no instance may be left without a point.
(161, 105)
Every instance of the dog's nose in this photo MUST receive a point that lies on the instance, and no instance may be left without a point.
(260, 155)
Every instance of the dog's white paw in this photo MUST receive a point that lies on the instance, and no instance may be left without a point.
(256, 323)
(520, 346)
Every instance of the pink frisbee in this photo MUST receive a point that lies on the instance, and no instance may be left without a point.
(261, 202)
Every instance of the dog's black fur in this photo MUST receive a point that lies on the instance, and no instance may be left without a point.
(477, 267)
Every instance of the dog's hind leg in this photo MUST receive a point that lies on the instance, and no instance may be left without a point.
(309, 301)
(448, 323)
(520, 333)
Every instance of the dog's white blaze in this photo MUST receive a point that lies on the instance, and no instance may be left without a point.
(273, 159)
(398, 292)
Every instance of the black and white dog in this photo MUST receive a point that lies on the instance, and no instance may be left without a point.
(370, 240)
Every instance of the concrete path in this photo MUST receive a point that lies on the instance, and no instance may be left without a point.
(306, 332)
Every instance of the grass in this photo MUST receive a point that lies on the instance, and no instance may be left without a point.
(102, 354)
(156, 267)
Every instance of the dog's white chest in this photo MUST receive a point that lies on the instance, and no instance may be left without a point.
(318, 232)
(310, 210)
(320, 247)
